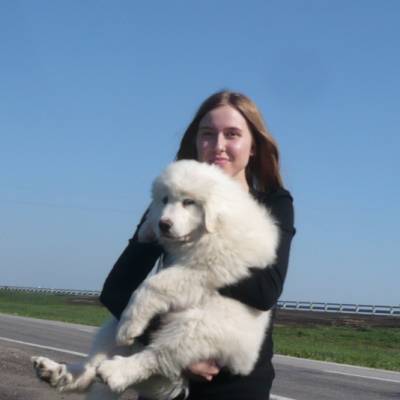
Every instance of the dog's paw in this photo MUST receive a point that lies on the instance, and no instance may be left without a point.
(127, 332)
(54, 373)
(115, 373)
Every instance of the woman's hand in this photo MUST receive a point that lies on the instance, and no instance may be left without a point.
(204, 369)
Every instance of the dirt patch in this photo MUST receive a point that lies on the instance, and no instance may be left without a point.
(308, 318)
(86, 300)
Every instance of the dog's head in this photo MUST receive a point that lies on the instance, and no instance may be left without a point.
(197, 203)
(184, 204)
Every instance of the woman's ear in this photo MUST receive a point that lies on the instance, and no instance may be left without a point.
(252, 149)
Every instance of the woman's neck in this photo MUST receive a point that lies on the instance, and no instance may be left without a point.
(241, 179)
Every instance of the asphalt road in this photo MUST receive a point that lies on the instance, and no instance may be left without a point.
(296, 379)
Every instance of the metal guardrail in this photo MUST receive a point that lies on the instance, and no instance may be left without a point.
(340, 308)
(285, 305)
(72, 292)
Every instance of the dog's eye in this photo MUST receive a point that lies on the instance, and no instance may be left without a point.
(188, 202)
(165, 199)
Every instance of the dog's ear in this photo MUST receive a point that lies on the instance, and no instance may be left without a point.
(146, 231)
(210, 218)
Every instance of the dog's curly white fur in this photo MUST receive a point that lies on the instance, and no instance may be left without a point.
(213, 232)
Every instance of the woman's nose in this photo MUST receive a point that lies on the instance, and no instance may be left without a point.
(220, 142)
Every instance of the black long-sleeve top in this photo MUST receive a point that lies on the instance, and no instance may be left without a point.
(260, 290)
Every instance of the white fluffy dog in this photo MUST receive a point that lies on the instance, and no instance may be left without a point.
(213, 232)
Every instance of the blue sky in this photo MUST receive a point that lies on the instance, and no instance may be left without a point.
(95, 96)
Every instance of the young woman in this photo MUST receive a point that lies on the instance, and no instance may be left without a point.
(227, 131)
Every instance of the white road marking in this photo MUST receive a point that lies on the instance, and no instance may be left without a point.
(273, 397)
(75, 353)
(362, 376)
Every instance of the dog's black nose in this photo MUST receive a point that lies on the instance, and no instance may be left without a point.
(165, 225)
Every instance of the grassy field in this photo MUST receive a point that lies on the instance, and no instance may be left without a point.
(54, 307)
(369, 347)
(374, 347)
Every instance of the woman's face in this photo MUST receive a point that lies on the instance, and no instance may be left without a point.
(224, 139)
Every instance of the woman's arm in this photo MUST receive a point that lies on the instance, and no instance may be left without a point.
(262, 289)
(129, 272)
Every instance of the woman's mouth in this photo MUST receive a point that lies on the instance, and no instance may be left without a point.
(219, 161)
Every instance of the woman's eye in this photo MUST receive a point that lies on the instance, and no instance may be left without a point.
(233, 133)
(165, 199)
(187, 202)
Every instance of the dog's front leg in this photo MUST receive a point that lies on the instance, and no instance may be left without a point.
(171, 289)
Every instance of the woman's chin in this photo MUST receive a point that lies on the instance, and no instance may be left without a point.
(224, 165)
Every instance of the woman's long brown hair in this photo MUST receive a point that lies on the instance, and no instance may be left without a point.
(262, 171)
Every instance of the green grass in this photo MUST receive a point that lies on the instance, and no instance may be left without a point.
(54, 307)
(369, 347)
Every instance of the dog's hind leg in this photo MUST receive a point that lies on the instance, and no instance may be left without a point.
(121, 372)
(79, 376)
(68, 377)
